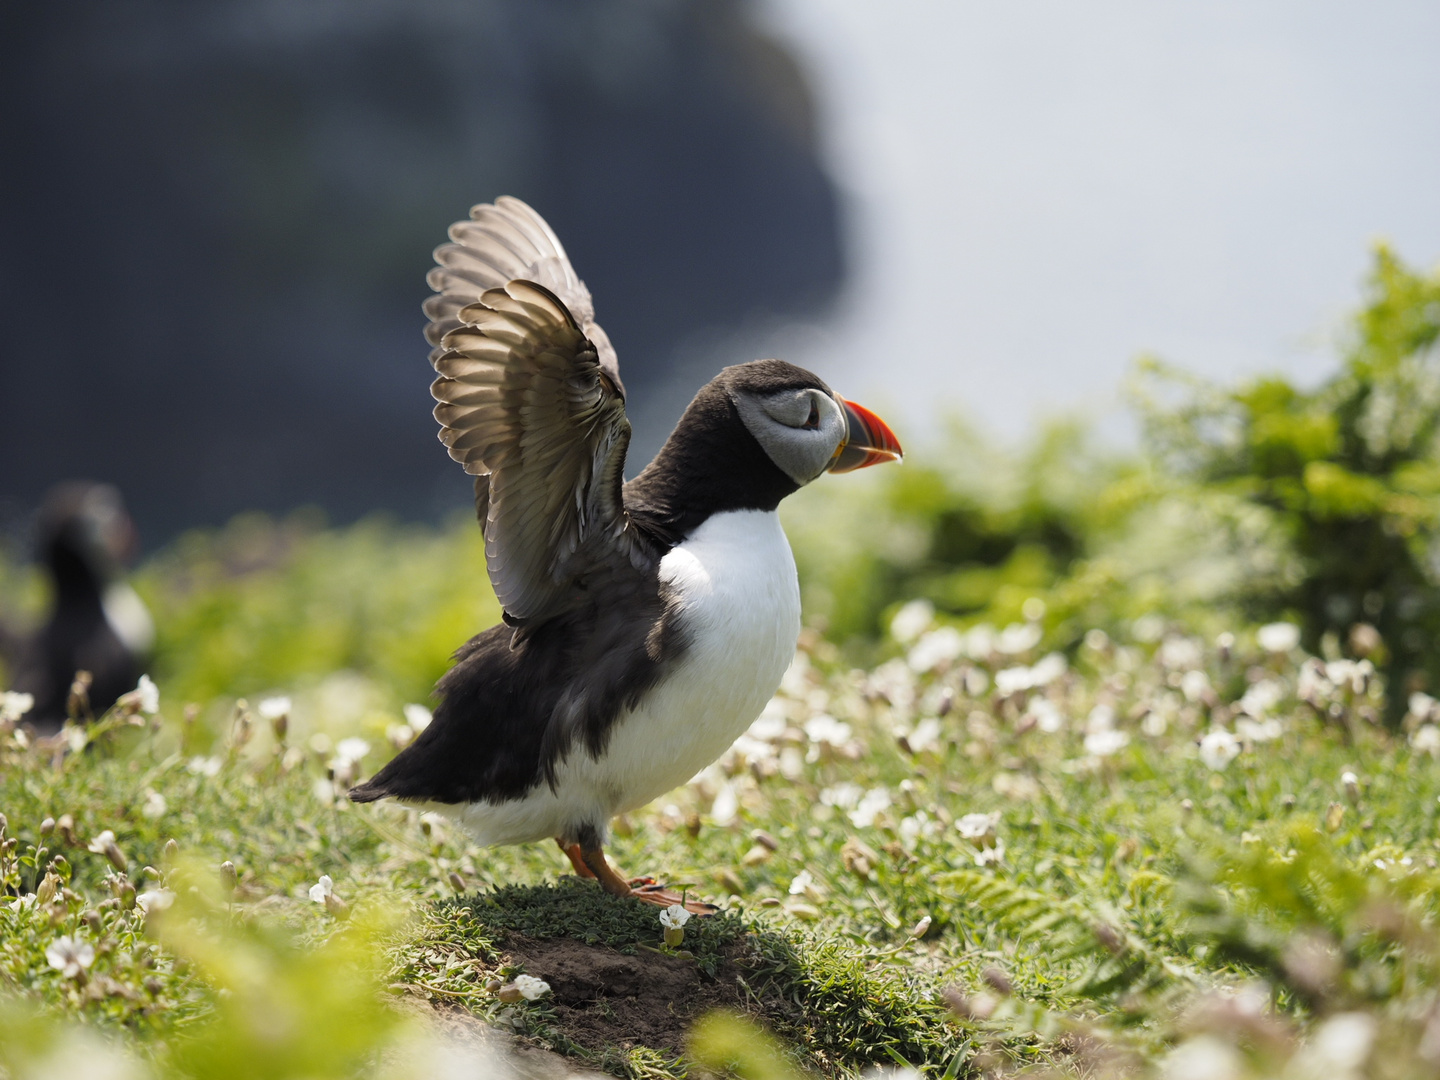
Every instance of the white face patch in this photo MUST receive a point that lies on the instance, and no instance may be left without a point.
(800, 429)
(128, 617)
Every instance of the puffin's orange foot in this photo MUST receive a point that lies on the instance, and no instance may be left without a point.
(648, 891)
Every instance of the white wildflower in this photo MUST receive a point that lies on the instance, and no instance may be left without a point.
(418, 717)
(1101, 718)
(871, 804)
(23, 903)
(1204, 1057)
(1154, 724)
(1426, 740)
(1018, 638)
(531, 988)
(14, 705)
(674, 917)
(153, 900)
(1045, 671)
(272, 708)
(980, 641)
(991, 855)
(1180, 653)
(149, 695)
(1194, 684)
(1261, 697)
(154, 805)
(925, 736)
(352, 749)
(1338, 1048)
(726, 806)
(1218, 748)
(843, 795)
(938, 646)
(976, 682)
(826, 730)
(1352, 674)
(1257, 731)
(1106, 742)
(912, 620)
(1047, 715)
(979, 829)
(70, 957)
(322, 889)
(1278, 637)
(204, 766)
(803, 881)
(1423, 706)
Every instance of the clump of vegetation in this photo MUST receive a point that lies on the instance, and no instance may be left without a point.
(1103, 789)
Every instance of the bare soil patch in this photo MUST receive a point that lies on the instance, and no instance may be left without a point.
(604, 998)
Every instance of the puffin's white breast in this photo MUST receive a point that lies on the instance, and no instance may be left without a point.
(740, 613)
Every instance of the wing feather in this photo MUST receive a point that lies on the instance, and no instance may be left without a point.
(524, 403)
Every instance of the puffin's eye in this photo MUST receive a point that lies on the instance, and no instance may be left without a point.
(813, 420)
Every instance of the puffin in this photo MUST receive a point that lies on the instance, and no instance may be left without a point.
(97, 623)
(646, 623)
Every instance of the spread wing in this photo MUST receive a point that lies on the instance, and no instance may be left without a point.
(528, 407)
(501, 242)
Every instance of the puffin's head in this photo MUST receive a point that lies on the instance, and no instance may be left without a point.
(804, 426)
(86, 524)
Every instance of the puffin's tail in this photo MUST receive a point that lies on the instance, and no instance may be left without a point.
(370, 791)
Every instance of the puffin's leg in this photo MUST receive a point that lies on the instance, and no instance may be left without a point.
(616, 885)
(572, 852)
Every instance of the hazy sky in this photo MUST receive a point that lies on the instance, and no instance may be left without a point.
(1039, 192)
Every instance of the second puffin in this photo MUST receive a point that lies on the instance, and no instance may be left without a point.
(646, 623)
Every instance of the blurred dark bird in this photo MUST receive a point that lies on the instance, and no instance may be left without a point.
(646, 623)
(97, 623)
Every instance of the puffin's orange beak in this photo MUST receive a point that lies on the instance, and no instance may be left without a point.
(869, 441)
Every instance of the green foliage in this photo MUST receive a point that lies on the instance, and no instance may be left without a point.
(262, 605)
(1348, 472)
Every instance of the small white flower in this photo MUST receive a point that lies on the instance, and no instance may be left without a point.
(925, 736)
(272, 708)
(912, 620)
(825, 729)
(1194, 684)
(978, 827)
(1278, 637)
(1257, 731)
(1261, 697)
(1106, 742)
(153, 900)
(1426, 740)
(1422, 706)
(1204, 1057)
(843, 794)
(149, 695)
(70, 957)
(1019, 638)
(418, 717)
(1180, 653)
(1218, 748)
(154, 805)
(322, 889)
(352, 749)
(204, 766)
(990, 855)
(1047, 716)
(23, 903)
(674, 917)
(803, 881)
(14, 705)
(1101, 718)
(934, 648)
(726, 806)
(531, 988)
(871, 804)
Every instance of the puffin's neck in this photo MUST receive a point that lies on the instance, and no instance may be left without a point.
(78, 584)
(711, 463)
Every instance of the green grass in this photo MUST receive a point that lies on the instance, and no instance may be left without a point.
(1117, 905)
